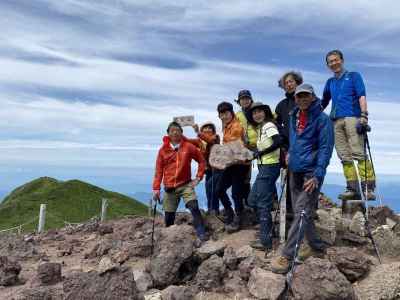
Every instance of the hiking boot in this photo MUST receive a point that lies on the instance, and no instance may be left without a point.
(256, 244)
(349, 194)
(227, 216)
(306, 251)
(234, 225)
(280, 265)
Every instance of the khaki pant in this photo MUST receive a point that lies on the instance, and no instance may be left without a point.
(348, 143)
(350, 146)
(171, 199)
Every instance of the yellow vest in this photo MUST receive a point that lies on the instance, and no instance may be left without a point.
(264, 140)
(250, 131)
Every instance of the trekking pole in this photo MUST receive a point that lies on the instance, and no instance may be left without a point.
(364, 210)
(152, 230)
(283, 185)
(290, 274)
(373, 167)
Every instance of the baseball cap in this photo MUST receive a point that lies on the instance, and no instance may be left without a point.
(304, 88)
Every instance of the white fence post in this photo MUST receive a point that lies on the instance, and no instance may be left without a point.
(104, 205)
(42, 218)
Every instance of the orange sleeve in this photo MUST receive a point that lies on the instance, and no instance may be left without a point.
(158, 176)
(236, 133)
(197, 156)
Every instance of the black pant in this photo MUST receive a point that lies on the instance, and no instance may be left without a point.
(235, 177)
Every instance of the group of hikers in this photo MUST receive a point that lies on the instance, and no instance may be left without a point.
(298, 137)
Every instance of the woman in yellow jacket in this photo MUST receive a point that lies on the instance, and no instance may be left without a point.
(245, 101)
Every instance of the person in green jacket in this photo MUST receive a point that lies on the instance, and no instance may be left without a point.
(245, 101)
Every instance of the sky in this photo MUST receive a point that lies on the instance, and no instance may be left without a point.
(87, 88)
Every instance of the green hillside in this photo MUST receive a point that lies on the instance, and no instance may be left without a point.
(73, 201)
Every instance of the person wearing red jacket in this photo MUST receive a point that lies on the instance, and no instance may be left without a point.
(206, 138)
(173, 169)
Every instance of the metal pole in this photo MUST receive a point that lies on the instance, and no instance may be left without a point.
(104, 204)
(150, 206)
(42, 218)
(282, 207)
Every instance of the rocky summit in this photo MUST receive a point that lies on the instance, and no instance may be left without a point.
(119, 260)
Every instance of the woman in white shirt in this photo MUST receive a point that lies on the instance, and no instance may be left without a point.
(267, 155)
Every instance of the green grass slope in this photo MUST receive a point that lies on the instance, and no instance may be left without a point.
(73, 201)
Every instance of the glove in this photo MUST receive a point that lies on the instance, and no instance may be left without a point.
(156, 196)
(256, 154)
(362, 126)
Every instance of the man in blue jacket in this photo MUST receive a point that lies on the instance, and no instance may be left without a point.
(350, 117)
(310, 150)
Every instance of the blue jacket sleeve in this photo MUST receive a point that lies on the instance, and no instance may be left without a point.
(358, 84)
(325, 146)
(326, 96)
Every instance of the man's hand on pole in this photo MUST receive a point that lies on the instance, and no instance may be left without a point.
(156, 196)
(310, 185)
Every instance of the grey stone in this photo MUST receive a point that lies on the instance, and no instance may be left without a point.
(210, 273)
(174, 249)
(210, 248)
(143, 280)
(320, 279)
(49, 273)
(351, 262)
(9, 271)
(265, 284)
(383, 282)
(117, 284)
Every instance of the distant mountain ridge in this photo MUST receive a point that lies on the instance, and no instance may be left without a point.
(72, 201)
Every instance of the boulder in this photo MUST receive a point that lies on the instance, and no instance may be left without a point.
(326, 226)
(234, 284)
(230, 259)
(387, 241)
(117, 284)
(143, 280)
(244, 252)
(105, 265)
(265, 284)
(210, 273)
(105, 229)
(173, 250)
(49, 273)
(247, 265)
(320, 279)
(41, 293)
(383, 282)
(174, 292)
(378, 216)
(352, 263)
(9, 271)
(210, 248)
(357, 224)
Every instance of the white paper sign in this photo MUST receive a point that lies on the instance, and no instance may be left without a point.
(184, 120)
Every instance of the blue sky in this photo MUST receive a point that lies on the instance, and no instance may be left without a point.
(87, 87)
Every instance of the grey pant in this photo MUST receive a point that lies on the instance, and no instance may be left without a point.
(307, 202)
